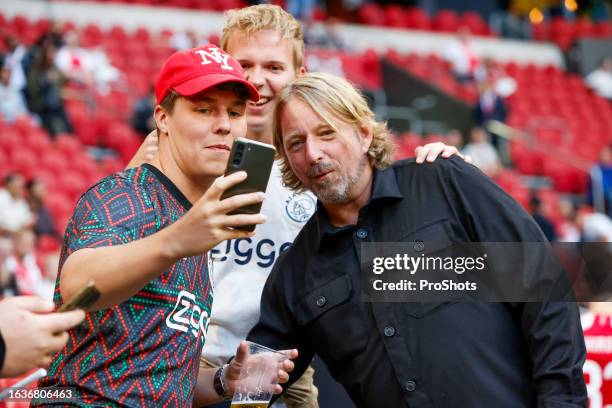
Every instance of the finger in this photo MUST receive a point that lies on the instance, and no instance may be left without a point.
(283, 377)
(33, 304)
(291, 354)
(434, 152)
(421, 153)
(57, 342)
(448, 151)
(240, 220)
(278, 389)
(223, 183)
(229, 234)
(240, 200)
(468, 159)
(288, 366)
(60, 322)
(44, 361)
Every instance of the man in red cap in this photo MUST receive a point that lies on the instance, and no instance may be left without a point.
(142, 236)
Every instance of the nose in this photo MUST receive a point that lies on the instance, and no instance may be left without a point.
(222, 125)
(255, 76)
(313, 150)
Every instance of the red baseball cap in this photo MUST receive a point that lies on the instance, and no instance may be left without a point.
(192, 71)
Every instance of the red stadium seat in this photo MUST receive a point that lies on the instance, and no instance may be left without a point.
(371, 14)
(417, 19)
(395, 16)
(446, 21)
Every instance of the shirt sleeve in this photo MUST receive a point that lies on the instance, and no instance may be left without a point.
(276, 327)
(551, 329)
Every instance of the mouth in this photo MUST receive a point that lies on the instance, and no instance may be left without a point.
(263, 100)
(320, 176)
(219, 147)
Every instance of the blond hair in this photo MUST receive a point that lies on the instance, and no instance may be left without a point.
(332, 98)
(253, 19)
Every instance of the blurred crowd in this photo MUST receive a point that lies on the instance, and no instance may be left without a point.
(24, 270)
(33, 80)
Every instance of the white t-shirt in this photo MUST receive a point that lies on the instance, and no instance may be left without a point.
(14, 213)
(241, 267)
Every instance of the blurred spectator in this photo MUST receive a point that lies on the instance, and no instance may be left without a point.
(454, 138)
(490, 105)
(301, 9)
(536, 211)
(14, 210)
(13, 104)
(142, 117)
(500, 82)
(23, 265)
(85, 66)
(8, 286)
(13, 60)
(600, 80)
(596, 227)
(484, 155)
(44, 221)
(73, 61)
(462, 57)
(324, 36)
(600, 194)
(184, 40)
(45, 83)
(568, 230)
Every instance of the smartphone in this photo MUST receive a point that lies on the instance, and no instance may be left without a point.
(256, 159)
(83, 299)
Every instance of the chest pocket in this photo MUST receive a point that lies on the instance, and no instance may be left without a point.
(331, 315)
(432, 240)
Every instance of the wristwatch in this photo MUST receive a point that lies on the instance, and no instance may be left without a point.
(219, 383)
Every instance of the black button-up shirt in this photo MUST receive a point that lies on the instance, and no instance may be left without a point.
(470, 354)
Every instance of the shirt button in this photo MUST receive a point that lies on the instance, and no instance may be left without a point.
(362, 233)
(419, 246)
(389, 331)
(321, 301)
(410, 386)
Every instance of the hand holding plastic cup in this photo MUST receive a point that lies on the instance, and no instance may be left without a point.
(258, 377)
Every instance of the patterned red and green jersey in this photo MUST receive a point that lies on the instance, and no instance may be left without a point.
(145, 351)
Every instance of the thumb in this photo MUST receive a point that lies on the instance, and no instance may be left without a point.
(242, 352)
(33, 304)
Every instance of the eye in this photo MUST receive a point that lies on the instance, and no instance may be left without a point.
(203, 110)
(245, 65)
(276, 68)
(326, 132)
(294, 145)
(236, 114)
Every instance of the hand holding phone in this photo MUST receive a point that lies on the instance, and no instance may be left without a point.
(256, 159)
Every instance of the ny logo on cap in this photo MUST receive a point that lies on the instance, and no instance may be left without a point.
(216, 55)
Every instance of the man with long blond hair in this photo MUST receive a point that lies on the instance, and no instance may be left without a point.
(404, 353)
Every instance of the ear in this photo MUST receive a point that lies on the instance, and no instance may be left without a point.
(161, 119)
(301, 71)
(366, 136)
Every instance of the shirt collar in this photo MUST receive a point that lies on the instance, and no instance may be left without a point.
(384, 191)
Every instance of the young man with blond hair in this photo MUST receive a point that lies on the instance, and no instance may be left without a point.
(406, 354)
